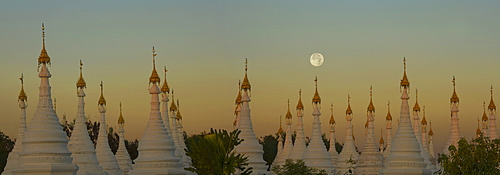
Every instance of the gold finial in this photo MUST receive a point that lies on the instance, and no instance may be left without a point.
(381, 136)
(172, 106)
(316, 99)
(299, 104)
(164, 87)
(246, 84)
(478, 130)
(492, 104)
(179, 117)
(280, 131)
(388, 117)
(44, 56)
(348, 111)
(154, 75)
(416, 107)
(454, 97)
(424, 121)
(120, 119)
(81, 82)
(430, 131)
(404, 81)
(370, 106)
(22, 94)
(238, 98)
(102, 101)
(485, 117)
(288, 114)
(332, 120)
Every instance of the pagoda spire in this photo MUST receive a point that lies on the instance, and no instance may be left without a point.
(82, 148)
(381, 141)
(370, 161)
(333, 152)
(105, 157)
(250, 145)
(492, 129)
(478, 130)
(156, 147)
(485, 121)
(416, 130)
(280, 141)
(122, 155)
(238, 103)
(349, 150)
(455, 129)
(186, 160)
(300, 142)
(165, 91)
(44, 141)
(388, 127)
(13, 159)
(431, 146)
(405, 156)
(424, 136)
(316, 154)
(173, 127)
(288, 145)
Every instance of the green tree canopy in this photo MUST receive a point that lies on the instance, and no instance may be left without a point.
(479, 156)
(296, 166)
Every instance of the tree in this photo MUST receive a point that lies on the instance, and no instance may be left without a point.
(214, 153)
(297, 166)
(479, 156)
(6, 146)
(270, 145)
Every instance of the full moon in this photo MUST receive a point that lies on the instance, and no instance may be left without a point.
(316, 59)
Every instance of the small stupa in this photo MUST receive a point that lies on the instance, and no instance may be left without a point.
(388, 127)
(333, 152)
(346, 163)
(300, 142)
(122, 155)
(492, 129)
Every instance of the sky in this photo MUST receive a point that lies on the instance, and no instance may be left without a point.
(204, 44)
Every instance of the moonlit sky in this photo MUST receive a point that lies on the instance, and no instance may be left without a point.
(204, 45)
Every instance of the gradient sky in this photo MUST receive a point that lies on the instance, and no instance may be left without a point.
(204, 45)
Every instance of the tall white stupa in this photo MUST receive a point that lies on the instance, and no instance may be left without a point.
(13, 158)
(388, 127)
(348, 157)
(316, 154)
(280, 141)
(333, 152)
(122, 155)
(485, 121)
(423, 133)
(173, 128)
(405, 155)
(237, 109)
(45, 145)
(492, 129)
(370, 161)
(288, 145)
(80, 145)
(381, 142)
(431, 146)
(186, 160)
(250, 145)
(156, 147)
(416, 130)
(300, 142)
(165, 91)
(104, 155)
(455, 129)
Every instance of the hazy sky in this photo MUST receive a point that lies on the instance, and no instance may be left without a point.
(204, 45)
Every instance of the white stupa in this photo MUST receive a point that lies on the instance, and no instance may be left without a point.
(45, 145)
(316, 154)
(237, 109)
(165, 91)
(122, 155)
(280, 133)
(492, 129)
(250, 145)
(288, 145)
(381, 142)
(388, 127)
(186, 160)
(431, 146)
(455, 129)
(418, 134)
(156, 147)
(80, 145)
(174, 128)
(300, 142)
(333, 152)
(370, 161)
(105, 157)
(348, 156)
(485, 121)
(423, 133)
(405, 155)
(13, 158)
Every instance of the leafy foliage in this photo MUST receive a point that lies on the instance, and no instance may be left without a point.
(270, 145)
(213, 153)
(298, 166)
(6, 145)
(479, 156)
